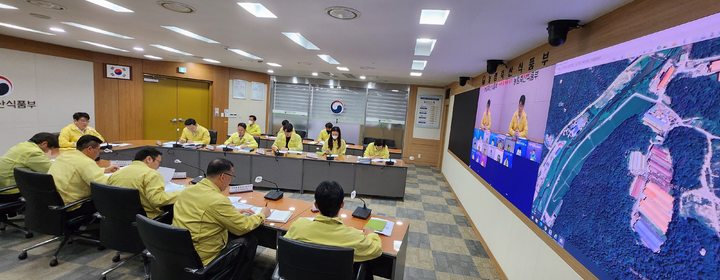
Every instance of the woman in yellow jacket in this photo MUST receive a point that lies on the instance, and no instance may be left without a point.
(335, 145)
(377, 149)
(241, 138)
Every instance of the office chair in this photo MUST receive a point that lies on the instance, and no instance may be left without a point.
(390, 143)
(174, 256)
(213, 136)
(9, 209)
(302, 133)
(368, 140)
(117, 208)
(46, 213)
(303, 261)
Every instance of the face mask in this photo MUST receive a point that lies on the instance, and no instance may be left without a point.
(335, 137)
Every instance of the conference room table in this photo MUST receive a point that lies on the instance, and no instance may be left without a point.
(265, 141)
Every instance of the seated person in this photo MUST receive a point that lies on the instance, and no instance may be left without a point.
(73, 171)
(252, 127)
(142, 175)
(325, 133)
(31, 154)
(288, 141)
(284, 122)
(486, 121)
(241, 138)
(207, 213)
(194, 133)
(336, 145)
(377, 149)
(328, 229)
(518, 123)
(70, 134)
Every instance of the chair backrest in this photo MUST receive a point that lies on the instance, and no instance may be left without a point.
(368, 140)
(39, 192)
(171, 248)
(213, 137)
(300, 260)
(302, 133)
(118, 207)
(390, 143)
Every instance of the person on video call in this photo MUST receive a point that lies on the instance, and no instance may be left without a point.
(486, 120)
(518, 125)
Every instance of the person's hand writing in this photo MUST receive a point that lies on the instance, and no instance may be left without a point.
(111, 169)
(246, 211)
(265, 211)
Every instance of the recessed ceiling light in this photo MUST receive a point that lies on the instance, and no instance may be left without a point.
(7, 7)
(424, 46)
(104, 46)
(343, 13)
(210, 60)
(57, 29)
(300, 40)
(245, 54)
(190, 34)
(419, 65)
(97, 30)
(139, 49)
(343, 68)
(395, 90)
(270, 71)
(152, 57)
(111, 6)
(257, 9)
(315, 74)
(24, 28)
(328, 59)
(434, 17)
(273, 64)
(363, 77)
(415, 74)
(176, 7)
(166, 48)
(46, 4)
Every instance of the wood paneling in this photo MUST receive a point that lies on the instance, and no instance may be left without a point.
(431, 150)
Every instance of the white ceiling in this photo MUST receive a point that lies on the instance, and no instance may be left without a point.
(379, 44)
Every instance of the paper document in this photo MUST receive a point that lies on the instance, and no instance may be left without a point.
(172, 187)
(120, 144)
(279, 216)
(380, 226)
(167, 173)
(239, 205)
(382, 160)
(295, 152)
(120, 163)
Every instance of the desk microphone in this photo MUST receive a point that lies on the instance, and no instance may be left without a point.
(196, 179)
(275, 194)
(361, 212)
(177, 139)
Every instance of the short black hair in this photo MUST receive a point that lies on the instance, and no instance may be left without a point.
(87, 141)
(379, 142)
(288, 127)
(329, 196)
(284, 122)
(243, 125)
(488, 103)
(51, 139)
(522, 100)
(147, 152)
(219, 166)
(329, 125)
(190, 121)
(253, 117)
(77, 116)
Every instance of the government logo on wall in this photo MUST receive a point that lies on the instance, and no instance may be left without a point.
(337, 107)
(6, 89)
(6, 86)
(121, 72)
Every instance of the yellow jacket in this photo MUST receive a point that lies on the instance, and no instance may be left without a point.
(23, 155)
(371, 151)
(253, 129)
(201, 135)
(72, 172)
(486, 121)
(338, 149)
(247, 140)
(323, 136)
(149, 183)
(208, 215)
(294, 145)
(70, 134)
(332, 232)
(521, 127)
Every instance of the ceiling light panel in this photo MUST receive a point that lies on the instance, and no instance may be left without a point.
(140, 49)
(419, 65)
(270, 71)
(415, 74)
(152, 57)
(300, 40)
(190, 34)
(12, 26)
(257, 9)
(97, 30)
(424, 46)
(7, 7)
(210, 60)
(328, 59)
(104, 46)
(57, 29)
(172, 50)
(110, 6)
(434, 17)
(343, 68)
(273, 64)
(245, 54)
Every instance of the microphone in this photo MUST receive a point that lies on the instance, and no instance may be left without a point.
(196, 179)
(177, 139)
(275, 194)
(361, 212)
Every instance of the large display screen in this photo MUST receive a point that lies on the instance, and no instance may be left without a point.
(627, 175)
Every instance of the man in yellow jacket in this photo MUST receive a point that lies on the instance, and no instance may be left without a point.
(207, 213)
(324, 134)
(241, 138)
(194, 133)
(282, 125)
(518, 124)
(73, 171)
(31, 154)
(288, 141)
(335, 145)
(252, 127)
(70, 134)
(328, 229)
(486, 121)
(142, 175)
(377, 149)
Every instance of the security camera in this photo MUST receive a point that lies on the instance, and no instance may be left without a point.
(493, 64)
(558, 30)
(463, 81)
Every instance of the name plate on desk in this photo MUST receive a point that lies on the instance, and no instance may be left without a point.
(312, 155)
(241, 188)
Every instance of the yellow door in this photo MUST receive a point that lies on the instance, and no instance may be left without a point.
(194, 101)
(160, 109)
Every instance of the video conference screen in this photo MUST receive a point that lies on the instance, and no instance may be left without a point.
(616, 154)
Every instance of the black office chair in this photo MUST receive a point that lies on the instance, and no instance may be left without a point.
(302, 133)
(302, 261)
(46, 213)
(213, 137)
(117, 208)
(174, 256)
(368, 140)
(390, 143)
(9, 209)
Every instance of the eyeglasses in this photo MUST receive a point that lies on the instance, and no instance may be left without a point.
(229, 175)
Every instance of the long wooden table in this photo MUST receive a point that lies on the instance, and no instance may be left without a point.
(265, 141)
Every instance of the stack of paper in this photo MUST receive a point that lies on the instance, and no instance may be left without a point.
(380, 226)
(279, 216)
(241, 206)
(172, 187)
